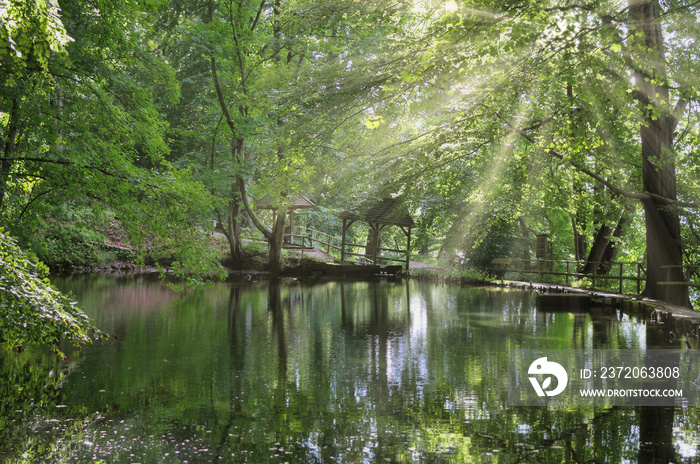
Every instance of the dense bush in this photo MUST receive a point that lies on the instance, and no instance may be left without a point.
(64, 246)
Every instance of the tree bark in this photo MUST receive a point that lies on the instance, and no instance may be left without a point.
(276, 241)
(525, 231)
(663, 233)
(600, 243)
(233, 230)
(374, 242)
(612, 250)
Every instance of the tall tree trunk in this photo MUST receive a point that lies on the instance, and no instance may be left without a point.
(525, 231)
(663, 233)
(374, 242)
(233, 221)
(601, 240)
(276, 241)
(233, 230)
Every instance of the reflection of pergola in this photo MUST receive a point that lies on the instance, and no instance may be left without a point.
(388, 212)
(300, 203)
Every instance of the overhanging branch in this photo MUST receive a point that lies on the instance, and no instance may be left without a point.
(614, 188)
(66, 163)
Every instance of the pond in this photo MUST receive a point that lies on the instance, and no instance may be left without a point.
(364, 372)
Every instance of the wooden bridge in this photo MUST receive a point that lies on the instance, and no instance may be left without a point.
(308, 239)
(380, 215)
(627, 276)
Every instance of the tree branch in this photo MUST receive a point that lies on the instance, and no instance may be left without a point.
(240, 182)
(615, 189)
(67, 163)
(257, 17)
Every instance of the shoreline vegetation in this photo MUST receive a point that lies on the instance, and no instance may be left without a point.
(112, 256)
(320, 266)
(673, 319)
(197, 135)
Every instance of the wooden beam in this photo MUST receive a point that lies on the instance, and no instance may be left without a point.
(291, 225)
(342, 243)
(408, 248)
(346, 225)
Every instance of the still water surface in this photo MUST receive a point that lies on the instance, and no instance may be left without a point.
(365, 372)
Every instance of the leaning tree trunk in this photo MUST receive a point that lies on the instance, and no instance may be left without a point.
(578, 226)
(611, 251)
(663, 231)
(601, 239)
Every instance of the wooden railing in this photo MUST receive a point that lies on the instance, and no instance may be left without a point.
(363, 258)
(308, 238)
(686, 278)
(312, 238)
(569, 270)
(619, 271)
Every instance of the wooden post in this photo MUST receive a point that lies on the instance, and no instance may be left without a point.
(408, 248)
(291, 226)
(595, 272)
(342, 246)
(639, 277)
(620, 278)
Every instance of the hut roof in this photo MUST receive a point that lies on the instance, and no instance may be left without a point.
(389, 211)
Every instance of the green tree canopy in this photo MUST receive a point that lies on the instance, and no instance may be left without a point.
(31, 310)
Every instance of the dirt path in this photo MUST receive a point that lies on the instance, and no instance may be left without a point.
(318, 254)
(419, 265)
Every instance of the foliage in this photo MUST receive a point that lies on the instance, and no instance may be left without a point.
(516, 110)
(30, 31)
(31, 310)
(65, 247)
(480, 115)
(84, 132)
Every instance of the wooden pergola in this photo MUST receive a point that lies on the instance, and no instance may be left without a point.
(300, 203)
(388, 212)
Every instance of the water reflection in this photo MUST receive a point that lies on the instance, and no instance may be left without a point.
(335, 372)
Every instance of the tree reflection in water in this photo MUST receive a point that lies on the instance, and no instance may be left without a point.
(335, 372)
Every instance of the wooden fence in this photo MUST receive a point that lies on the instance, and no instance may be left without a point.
(619, 271)
(363, 258)
(311, 238)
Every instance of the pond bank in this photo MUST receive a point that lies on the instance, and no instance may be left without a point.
(679, 320)
(676, 320)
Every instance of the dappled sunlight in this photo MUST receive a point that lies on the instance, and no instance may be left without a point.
(292, 372)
